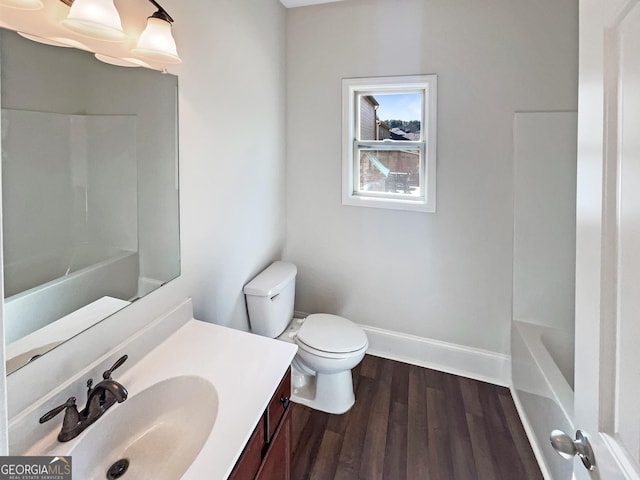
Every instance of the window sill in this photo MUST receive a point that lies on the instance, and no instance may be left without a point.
(389, 203)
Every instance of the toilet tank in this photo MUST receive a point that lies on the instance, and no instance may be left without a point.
(270, 297)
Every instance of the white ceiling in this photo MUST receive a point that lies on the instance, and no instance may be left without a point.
(302, 3)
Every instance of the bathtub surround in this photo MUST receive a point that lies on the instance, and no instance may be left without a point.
(31, 310)
(544, 218)
(544, 239)
(91, 194)
(70, 208)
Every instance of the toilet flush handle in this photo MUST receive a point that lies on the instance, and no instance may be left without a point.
(275, 297)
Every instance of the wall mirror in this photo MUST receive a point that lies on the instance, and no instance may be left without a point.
(89, 191)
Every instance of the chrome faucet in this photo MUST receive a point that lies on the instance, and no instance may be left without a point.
(100, 398)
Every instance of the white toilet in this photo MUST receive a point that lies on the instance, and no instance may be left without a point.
(329, 346)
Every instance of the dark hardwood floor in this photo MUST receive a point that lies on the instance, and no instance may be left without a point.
(413, 423)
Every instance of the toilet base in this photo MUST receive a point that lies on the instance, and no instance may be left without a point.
(327, 392)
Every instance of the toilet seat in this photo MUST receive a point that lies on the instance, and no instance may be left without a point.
(331, 336)
(323, 354)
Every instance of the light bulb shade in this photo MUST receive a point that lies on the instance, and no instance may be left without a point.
(43, 40)
(119, 62)
(22, 4)
(97, 19)
(156, 43)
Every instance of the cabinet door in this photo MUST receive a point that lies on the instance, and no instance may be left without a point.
(277, 462)
(251, 457)
(278, 405)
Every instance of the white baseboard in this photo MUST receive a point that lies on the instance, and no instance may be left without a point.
(446, 357)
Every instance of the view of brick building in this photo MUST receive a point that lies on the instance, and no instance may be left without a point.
(386, 170)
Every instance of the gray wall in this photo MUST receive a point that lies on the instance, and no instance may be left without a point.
(444, 276)
(232, 151)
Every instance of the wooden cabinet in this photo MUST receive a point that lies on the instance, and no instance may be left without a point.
(251, 458)
(267, 455)
(277, 460)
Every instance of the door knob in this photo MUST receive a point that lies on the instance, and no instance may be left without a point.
(568, 448)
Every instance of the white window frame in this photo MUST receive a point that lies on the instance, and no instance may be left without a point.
(351, 89)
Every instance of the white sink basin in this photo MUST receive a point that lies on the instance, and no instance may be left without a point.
(159, 432)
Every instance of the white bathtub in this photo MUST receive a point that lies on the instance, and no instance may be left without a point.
(53, 287)
(542, 372)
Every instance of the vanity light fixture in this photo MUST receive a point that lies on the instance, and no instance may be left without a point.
(156, 43)
(22, 4)
(44, 41)
(55, 41)
(121, 62)
(99, 19)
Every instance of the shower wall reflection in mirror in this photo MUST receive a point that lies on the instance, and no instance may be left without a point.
(89, 191)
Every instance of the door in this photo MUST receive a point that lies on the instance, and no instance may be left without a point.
(607, 382)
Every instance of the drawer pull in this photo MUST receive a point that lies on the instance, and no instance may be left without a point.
(285, 402)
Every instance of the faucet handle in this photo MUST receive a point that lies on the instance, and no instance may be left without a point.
(107, 374)
(70, 403)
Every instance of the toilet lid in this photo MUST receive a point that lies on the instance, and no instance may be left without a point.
(331, 333)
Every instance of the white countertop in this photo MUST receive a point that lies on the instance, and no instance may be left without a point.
(245, 370)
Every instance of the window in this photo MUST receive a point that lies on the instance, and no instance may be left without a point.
(389, 142)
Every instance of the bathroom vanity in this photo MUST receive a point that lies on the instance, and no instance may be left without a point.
(202, 399)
